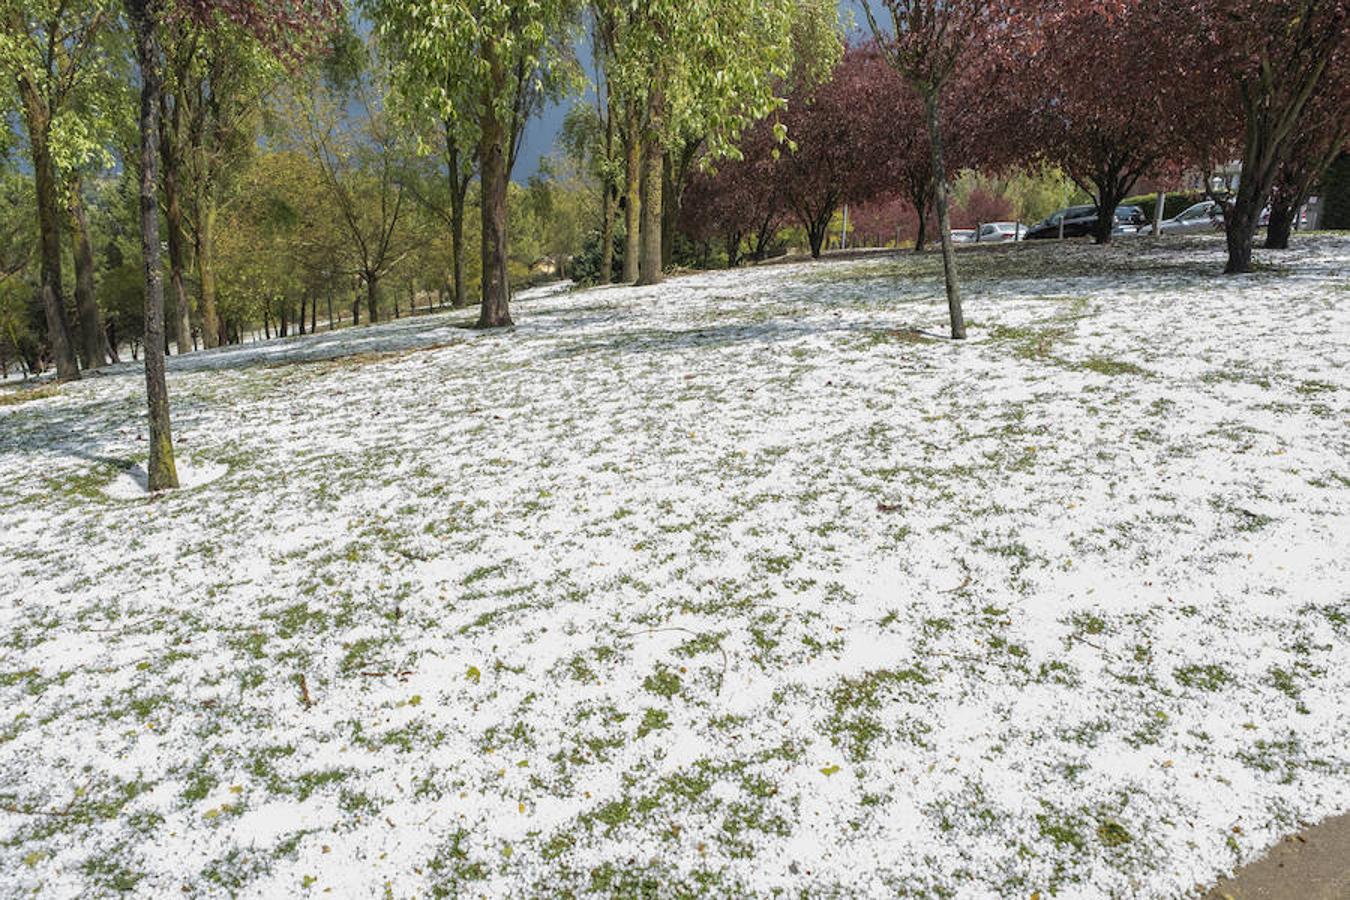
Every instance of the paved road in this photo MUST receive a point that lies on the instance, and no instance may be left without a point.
(1312, 865)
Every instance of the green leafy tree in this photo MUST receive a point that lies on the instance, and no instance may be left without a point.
(359, 153)
(288, 30)
(681, 81)
(52, 52)
(471, 66)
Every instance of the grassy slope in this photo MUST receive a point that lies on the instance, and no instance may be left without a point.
(734, 585)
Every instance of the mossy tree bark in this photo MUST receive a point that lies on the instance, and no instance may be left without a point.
(163, 473)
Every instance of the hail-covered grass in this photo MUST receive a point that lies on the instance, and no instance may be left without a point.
(749, 584)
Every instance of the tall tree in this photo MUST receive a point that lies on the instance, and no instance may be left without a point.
(50, 49)
(222, 92)
(289, 30)
(350, 138)
(926, 41)
(182, 43)
(682, 81)
(163, 473)
(470, 65)
(93, 341)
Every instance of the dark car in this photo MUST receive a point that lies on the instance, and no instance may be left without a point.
(1081, 221)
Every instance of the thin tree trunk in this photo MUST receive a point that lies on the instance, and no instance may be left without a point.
(173, 220)
(206, 269)
(163, 474)
(492, 167)
(53, 299)
(922, 201)
(670, 210)
(331, 320)
(111, 337)
(941, 192)
(459, 188)
(632, 248)
(314, 315)
(609, 193)
(461, 298)
(733, 249)
(93, 342)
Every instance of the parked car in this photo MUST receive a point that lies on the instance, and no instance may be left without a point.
(1207, 216)
(1081, 221)
(1203, 217)
(963, 235)
(999, 232)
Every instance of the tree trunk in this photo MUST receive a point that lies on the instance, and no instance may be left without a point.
(314, 315)
(1240, 223)
(1108, 198)
(300, 322)
(459, 188)
(941, 193)
(163, 474)
(492, 166)
(372, 297)
(670, 210)
(173, 220)
(633, 190)
(1282, 213)
(921, 199)
(53, 300)
(331, 320)
(206, 270)
(111, 336)
(93, 342)
(649, 262)
(816, 232)
(457, 252)
(609, 193)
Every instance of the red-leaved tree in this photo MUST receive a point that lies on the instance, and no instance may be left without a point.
(1097, 87)
(1255, 68)
(740, 201)
(1323, 134)
(826, 161)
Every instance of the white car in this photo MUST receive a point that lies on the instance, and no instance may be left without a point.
(998, 232)
(963, 235)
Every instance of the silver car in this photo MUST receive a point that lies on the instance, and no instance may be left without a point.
(998, 232)
(1203, 217)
